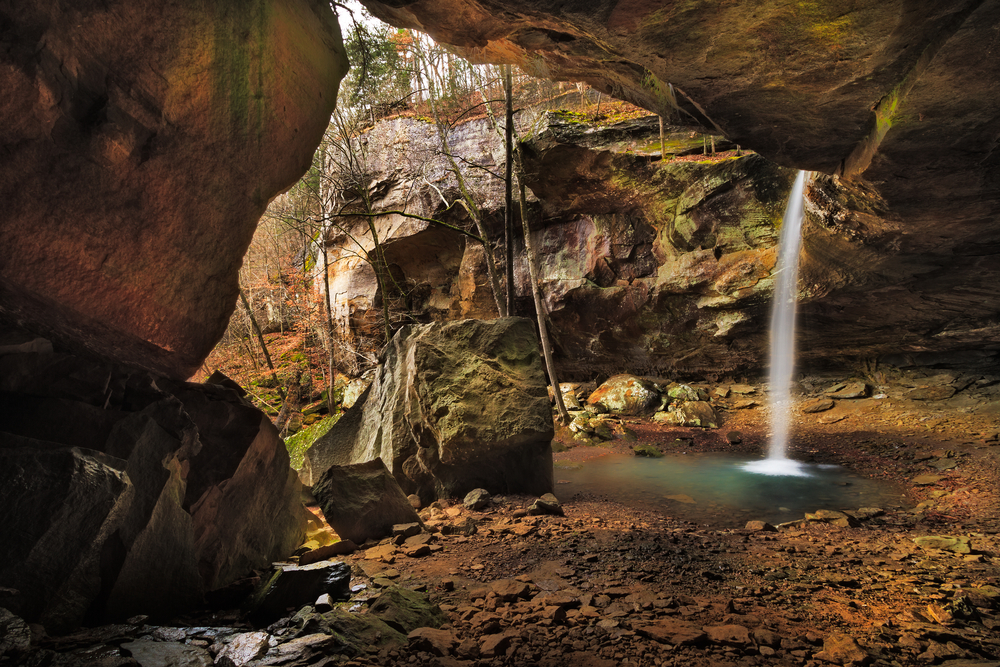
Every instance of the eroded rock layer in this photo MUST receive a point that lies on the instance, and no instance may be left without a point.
(139, 144)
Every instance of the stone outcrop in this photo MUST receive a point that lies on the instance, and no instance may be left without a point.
(141, 143)
(893, 98)
(454, 406)
(645, 266)
(124, 492)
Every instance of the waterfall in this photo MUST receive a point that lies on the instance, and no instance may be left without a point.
(783, 338)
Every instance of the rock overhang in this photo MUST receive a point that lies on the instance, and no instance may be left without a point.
(141, 144)
(891, 98)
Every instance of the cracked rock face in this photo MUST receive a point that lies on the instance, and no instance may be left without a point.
(140, 143)
(896, 98)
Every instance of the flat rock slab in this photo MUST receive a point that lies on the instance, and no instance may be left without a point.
(167, 654)
(817, 405)
(927, 480)
(936, 393)
(850, 390)
(947, 543)
(677, 633)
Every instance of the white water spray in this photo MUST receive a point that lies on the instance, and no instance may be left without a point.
(783, 339)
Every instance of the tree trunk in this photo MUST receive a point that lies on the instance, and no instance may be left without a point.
(663, 148)
(330, 402)
(263, 345)
(543, 332)
(508, 175)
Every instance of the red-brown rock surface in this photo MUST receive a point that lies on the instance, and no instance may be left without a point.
(140, 143)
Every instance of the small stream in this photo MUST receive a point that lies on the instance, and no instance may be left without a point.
(712, 489)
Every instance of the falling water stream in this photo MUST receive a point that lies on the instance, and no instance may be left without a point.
(783, 339)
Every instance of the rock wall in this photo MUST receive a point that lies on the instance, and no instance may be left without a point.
(140, 143)
(895, 98)
(123, 492)
(656, 267)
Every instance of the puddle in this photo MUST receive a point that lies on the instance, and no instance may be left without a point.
(714, 489)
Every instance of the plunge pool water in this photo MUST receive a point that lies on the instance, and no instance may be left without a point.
(713, 489)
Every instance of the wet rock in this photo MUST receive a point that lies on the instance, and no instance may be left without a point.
(167, 654)
(442, 434)
(244, 647)
(363, 501)
(742, 389)
(406, 610)
(734, 437)
(547, 504)
(626, 395)
(833, 517)
(841, 649)
(303, 650)
(817, 405)
(293, 586)
(648, 451)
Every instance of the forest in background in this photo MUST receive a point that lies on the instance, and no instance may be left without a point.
(281, 345)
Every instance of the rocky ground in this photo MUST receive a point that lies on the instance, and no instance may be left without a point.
(604, 584)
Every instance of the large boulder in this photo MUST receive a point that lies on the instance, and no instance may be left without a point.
(140, 496)
(142, 141)
(626, 395)
(362, 501)
(454, 407)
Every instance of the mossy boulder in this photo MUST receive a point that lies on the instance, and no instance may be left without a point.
(626, 395)
(648, 451)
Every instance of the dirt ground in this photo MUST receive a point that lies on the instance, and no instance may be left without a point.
(605, 584)
(611, 585)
